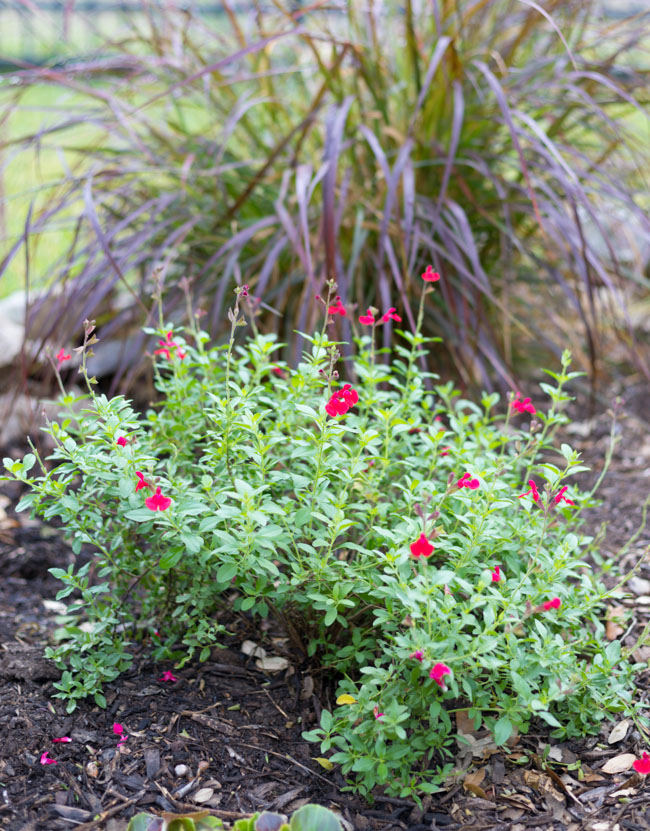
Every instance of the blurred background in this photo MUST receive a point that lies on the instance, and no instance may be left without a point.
(282, 144)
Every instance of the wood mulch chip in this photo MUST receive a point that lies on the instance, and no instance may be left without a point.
(227, 737)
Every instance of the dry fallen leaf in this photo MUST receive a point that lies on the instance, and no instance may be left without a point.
(618, 764)
(251, 648)
(203, 795)
(619, 732)
(324, 763)
(272, 663)
(464, 724)
(472, 783)
(613, 628)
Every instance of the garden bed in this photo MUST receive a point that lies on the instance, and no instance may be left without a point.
(237, 730)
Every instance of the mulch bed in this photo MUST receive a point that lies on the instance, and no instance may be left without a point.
(230, 735)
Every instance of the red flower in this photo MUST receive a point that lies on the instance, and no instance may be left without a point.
(552, 604)
(338, 308)
(119, 731)
(524, 406)
(418, 655)
(438, 674)
(277, 370)
(158, 502)
(430, 276)
(421, 547)
(61, 357)
(496, 575)
(378, 715)
(368, 319)
(45, 760)
(63, 739)
(121, 441)
(642, 765)
(445, 451)
(142, 482)
(168, 676)
(166, 346)
(560, 497)
(390, 315)
(532, 490)
(466, 481)
(341, 401)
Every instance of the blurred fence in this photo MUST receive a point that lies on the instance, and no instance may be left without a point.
(37, 31)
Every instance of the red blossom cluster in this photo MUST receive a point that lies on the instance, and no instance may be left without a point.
(167, 345)
(341, 401)
(524, 406)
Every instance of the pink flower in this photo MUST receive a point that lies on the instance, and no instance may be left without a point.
(368, 319)
(421, 547)
(524, 406)
(158, 502)
(438, 673)
(63, 739)
(45, 760)
(552, 604)
(338, 308)
(532, 490)
(390, 315)
(166, 346)
(119, 731)
(466, 481)
(142, 482)
(378, 715)
(168, 676)
(445, 451)
(61, 357)
(121, 441)
(560, 497)
(496, 575)
(341, 401)
(277, 370)
(642, 765)
(430, 276)
(418, 655)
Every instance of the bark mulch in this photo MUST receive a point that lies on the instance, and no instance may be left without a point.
(227, 737)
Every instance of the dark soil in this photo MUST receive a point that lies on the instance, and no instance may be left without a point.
(237, 731)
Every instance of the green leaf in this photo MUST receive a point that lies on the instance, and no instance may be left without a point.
(192, 542)
(226, 572)
(502, 730)
(314, 818)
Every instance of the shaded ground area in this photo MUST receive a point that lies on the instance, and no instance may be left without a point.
(227, 737)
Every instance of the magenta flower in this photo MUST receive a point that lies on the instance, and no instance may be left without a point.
(445, 451)
(496, 575)
(466, 481)
(168, 676)
(552, 604)
(341, 401)
(430, 276)
(338, 308)
(438, 674)
(121, 442)
(61, 357)
(532, 490)
(368, 319)
(642, 765)
(167, 345)
(560, 497)
(390, 315)
(524, 406)
(377, 714)
(63, 739)
(277, 370)
(142, 482)
(418, 655)
(45, 760)
(421, 547)
(119, 731)
(158, 502)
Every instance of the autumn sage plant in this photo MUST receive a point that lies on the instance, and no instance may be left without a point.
(424, 550)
